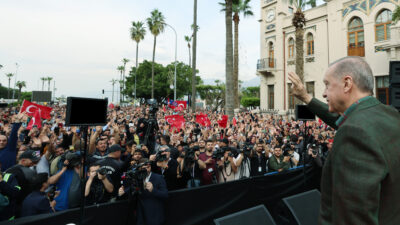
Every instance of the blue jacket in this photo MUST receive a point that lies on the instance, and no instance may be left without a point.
(36, 203)
(8, 154)
(151, 204)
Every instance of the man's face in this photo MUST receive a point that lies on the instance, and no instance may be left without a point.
(146, 167)
(333, 92)
(277, 152)
(27, 162)
(259, 148)
(101, 145)
(59, 151)
(202, 144)
(137, 156)
(3, 141)
(209, 146)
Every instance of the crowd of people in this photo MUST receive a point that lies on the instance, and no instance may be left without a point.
(42, 168)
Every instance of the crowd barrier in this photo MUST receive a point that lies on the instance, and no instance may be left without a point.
(198, 205)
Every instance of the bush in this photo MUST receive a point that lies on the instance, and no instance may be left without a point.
(250, 101)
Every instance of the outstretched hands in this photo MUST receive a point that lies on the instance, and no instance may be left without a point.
(297, 88)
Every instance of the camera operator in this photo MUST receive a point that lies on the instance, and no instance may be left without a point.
(189, 169)
(258, 160)
(163, 164)
(313, 156)
(114, 166)
(288, 150)
(98, 188)
(226, 166)
(150, 207)
(242, 162)
(278, 162)
(147, 127)
(209, 174)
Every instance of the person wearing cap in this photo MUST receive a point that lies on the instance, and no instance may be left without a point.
(114, 166)
(10, 190)
(23, 173)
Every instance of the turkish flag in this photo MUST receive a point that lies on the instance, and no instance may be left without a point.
(35, 120)
(234, 121)
(203, 120)
(111, 106)
(182, 104)
(223, 122)
(176, 121)
(30, 108)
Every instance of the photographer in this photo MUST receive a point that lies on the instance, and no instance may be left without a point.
(163, 164)
(288, 150)
(278, 162)
(98, 186)
(313, 156)
(147, 127)
(114, 166)
(37, 202)
(242, 162)
(226, 166)
(189, 169)
(258, 160)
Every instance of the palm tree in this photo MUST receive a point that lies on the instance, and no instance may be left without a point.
(9, 75)
(137, 34)
(43, 80)
(229, 101)
(188, 40)
(299, 21)
(20, 85)
(48, 81)
(396, 15)
(113, 82)
(1, 66)
(195, 28)
(121, 70)
(156, 24)
(124, 61)
(242, 6)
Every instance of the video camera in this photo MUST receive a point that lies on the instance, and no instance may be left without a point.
(161, 157)
(220, 152)
(153, 107)
(135, 177)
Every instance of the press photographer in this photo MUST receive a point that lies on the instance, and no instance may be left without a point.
(98, 188)
(288, 151)
(242, 161)
(226, 165)
(147, 126)
(163, 164)
(189, 169)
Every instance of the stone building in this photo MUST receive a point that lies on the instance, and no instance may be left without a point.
(333, 30)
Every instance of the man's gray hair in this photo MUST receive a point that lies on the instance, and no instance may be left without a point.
(358, 69)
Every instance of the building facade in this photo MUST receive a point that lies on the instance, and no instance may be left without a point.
(336, 29)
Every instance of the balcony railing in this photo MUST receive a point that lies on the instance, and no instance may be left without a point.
(266, 63)
(355, 51)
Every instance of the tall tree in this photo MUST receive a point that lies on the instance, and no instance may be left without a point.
(241, 6)
(124, 61)
(229, 101)
(299, 21)
(156, 24)
(9, 75)
(48, 82)
(138, 31)
(396, 15)
(113, 82)
(194, 45)
(121, 70)
(43, 79)
(20, 85)
(188, 40)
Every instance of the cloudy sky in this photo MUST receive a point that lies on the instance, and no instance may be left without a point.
(80, 43)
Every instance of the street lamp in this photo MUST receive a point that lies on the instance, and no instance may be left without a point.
(176, 40)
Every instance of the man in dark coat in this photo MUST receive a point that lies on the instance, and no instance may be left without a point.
(360, 179)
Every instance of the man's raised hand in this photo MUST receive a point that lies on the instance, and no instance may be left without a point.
(297, 88)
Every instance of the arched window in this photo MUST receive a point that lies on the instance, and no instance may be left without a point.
(291, 48)
(310, 44)
(271, 60)
(356, 37)
(382, 25)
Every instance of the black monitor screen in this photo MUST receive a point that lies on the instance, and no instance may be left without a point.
(303, 113)
(86, 111)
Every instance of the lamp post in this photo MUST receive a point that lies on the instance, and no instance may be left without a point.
(176, 47)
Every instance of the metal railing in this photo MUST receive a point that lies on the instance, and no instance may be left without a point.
(266, 63)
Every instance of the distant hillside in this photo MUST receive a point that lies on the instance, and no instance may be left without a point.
(249, 83)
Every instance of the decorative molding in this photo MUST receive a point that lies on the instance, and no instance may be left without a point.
(311, 27)
(380, 49)
(291, 62)
(270, 37)
(310, 59)
(364, 6)
(270, 27)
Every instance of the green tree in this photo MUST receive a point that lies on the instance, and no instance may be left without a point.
(162, 80)
(251, 92)
(214, 95)
(20, 85)
(156, 24)
(299, 22)
(9, 76)
(138, 31)
(250, 101)
(241, 6)
(113, 82)
(121, 71)
(124, 61)
(48, 79)
(43, 80)
(188, 40)
(396, 15)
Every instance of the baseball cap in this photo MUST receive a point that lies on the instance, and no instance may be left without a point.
(114, 148)
(30, 154)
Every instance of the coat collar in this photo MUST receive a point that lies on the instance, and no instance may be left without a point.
(360, 104)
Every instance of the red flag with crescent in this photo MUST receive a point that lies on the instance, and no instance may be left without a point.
(35, 120)
(175, 121)
(30, 108)
(223, 122)
(203, 120)
(234, 121)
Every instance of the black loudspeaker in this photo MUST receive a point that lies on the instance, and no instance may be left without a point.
(303, 113)
(304, 207)
(258, 215)
(86, 111)
(394, 72)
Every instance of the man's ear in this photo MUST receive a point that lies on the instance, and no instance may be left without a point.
(348, 83)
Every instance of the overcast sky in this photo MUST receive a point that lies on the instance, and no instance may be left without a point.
(80, 43)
